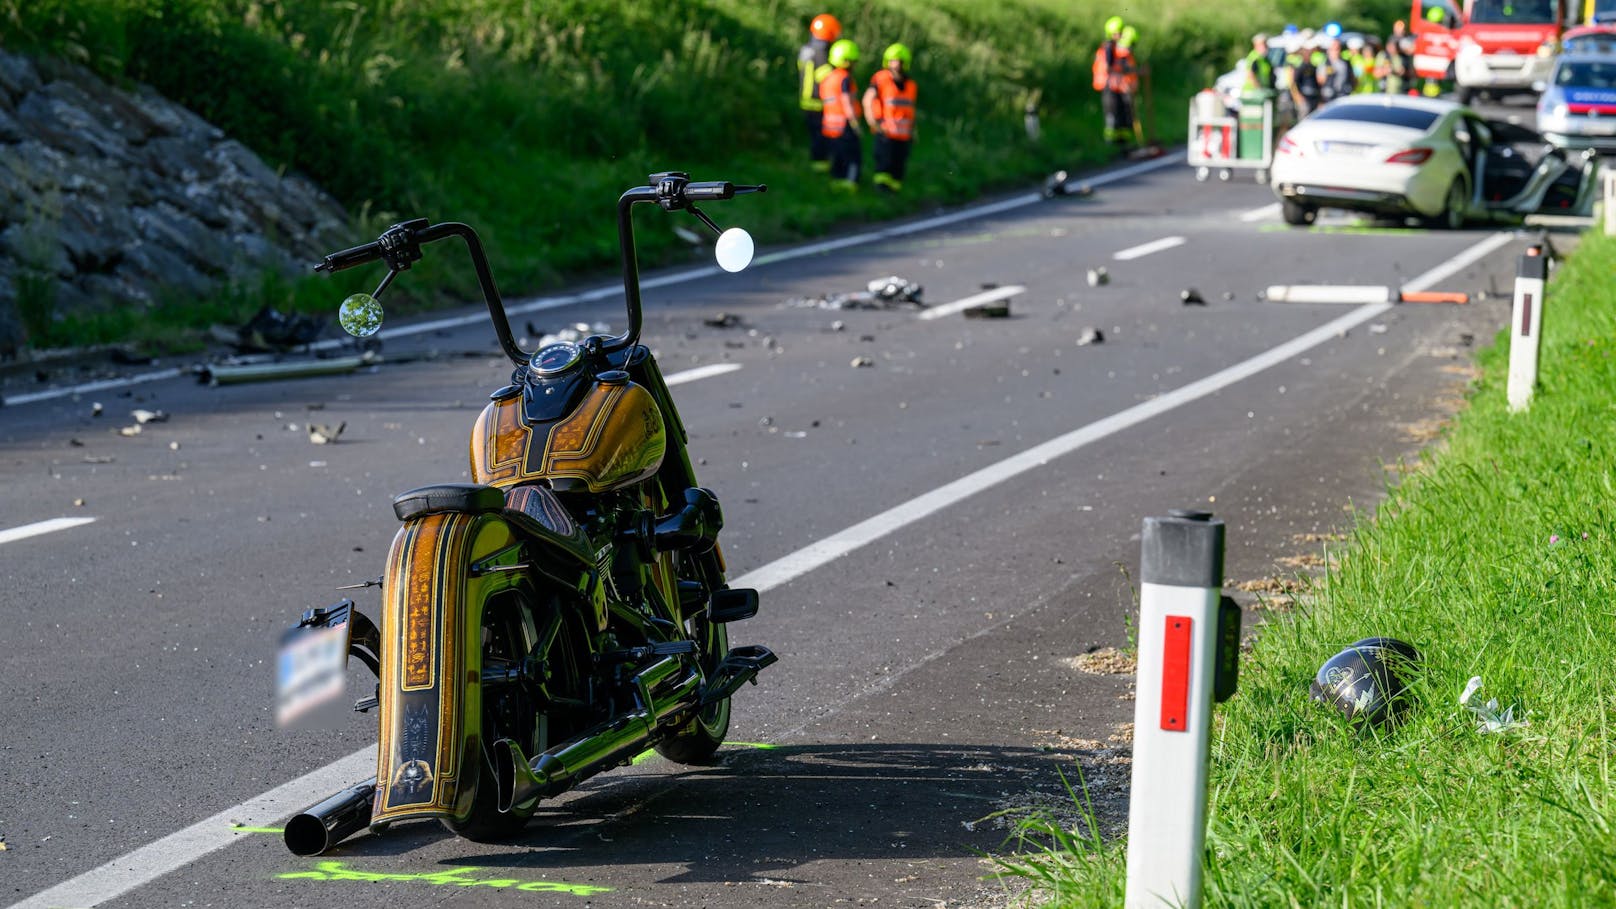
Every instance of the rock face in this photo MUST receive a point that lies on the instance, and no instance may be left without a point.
(113, 198)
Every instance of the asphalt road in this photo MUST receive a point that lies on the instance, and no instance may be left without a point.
(926, 684)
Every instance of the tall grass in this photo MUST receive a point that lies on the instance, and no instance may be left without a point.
(526, 118)
(1496, 561)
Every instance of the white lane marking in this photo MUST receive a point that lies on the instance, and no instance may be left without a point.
(179, 849)
(815, 555)
(700, 372)
(539, 304)
(986, 296)
(1145, 249)
(1261, 214)
(34, 530)
(125, 873)
(92, 387)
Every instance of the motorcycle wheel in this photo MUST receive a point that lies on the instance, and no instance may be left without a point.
(507, 713)
(698, 741)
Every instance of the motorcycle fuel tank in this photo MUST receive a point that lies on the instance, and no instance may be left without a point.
(614, 437)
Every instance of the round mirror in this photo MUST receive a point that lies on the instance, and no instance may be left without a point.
(734, 249)
(360, 315)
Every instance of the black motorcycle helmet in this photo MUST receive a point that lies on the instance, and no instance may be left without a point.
(1368, 681)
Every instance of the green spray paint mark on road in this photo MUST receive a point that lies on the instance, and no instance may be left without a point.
(237, 828)
(449, 877)
(650, 753)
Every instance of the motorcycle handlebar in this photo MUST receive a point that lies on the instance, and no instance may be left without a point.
(348, 258)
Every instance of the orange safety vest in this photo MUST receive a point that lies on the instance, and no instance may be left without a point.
(1102, 65)
(839, 109)
(1124, 76)
(894, 106)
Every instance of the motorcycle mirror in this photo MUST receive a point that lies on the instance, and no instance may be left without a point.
(734, 249)
(360, 315)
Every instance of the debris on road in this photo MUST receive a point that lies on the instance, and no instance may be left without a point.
(129, 430)
(723, 320)
(322, 434)
(1189, 296)
(1090, 335)
(1098, 277)
(881, 293)
(998, 309)
(270, 330)
(1104, 661)
(144, 416)
(232, 373)
(862, 362)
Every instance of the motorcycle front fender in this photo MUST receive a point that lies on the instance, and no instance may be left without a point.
(429, 753)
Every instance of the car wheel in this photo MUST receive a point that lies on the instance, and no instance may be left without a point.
(1453, 208)
(1465, 95)
(1297, 214)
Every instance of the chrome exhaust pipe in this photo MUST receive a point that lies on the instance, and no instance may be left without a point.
(330, 822)
(522, 782)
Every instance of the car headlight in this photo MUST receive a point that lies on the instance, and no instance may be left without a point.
(1469, 48)
(1548, 48)
(1559, 111)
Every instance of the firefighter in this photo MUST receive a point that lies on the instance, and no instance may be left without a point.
(840, 124)
(1112, 64)
(889, 108)
(812, 66)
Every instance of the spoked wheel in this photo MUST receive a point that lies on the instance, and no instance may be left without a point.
(508, 713)
(699, 740)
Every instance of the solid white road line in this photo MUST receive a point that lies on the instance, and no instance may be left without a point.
(1261, 214)
(1145, 249)
(815, 555)
(146, 864)
(521, 308)
(985, 297)
(1327, 293)
(700, 372)
(177, 850)
(34, 530)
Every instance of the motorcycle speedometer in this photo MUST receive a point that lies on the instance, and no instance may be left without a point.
(555, 359)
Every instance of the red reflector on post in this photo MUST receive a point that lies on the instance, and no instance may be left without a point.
(1175, 696)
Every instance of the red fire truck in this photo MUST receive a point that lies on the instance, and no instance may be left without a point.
(1493, 46)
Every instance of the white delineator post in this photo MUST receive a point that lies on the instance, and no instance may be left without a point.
(1526, 321)
(1181, 580)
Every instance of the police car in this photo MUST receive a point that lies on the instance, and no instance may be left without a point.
(1578, 106)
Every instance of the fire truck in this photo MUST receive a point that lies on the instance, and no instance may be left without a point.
(1492, 46)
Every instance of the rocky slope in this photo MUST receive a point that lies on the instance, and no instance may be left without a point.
(115, 197)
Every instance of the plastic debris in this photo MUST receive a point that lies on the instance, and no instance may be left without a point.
(129, 430)
(321, 434)
(1090, 335)
(723, 320)
(862, 362)
(1099, 277)
(1191, 297)
(144, 416)
(1489, 719)
(882, 293)
(96, 409)
(272, 330)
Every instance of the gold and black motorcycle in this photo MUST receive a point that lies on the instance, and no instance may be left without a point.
(560, 615)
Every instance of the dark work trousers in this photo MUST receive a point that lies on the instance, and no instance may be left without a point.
(818, 145)
(846, 155)
(891, 156)
(1118, 107)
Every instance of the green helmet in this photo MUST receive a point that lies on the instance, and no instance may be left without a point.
(1113, 26)
(843, 53)
(899, 52)
(1128, 37)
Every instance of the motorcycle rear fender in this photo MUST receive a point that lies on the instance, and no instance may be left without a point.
(430, 692)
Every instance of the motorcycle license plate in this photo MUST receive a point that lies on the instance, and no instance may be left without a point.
(310, 670)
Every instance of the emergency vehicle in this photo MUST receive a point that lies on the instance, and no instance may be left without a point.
(1493, 46)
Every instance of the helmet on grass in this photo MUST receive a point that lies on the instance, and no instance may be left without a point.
(843, 53)
(1368, 681)
(825, 27)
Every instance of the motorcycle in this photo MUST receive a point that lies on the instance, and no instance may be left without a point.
(560, 615)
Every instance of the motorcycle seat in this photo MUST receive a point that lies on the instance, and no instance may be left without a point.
(471, 498)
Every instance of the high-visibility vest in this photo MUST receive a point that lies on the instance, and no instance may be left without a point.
(1113, 69)
(894, 105)
(836, 93)
(1124, 75)
(811, 67)
(1102, 64)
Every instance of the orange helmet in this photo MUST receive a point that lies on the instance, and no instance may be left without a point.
(825, 27)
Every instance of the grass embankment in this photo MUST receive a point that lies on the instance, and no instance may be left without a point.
(1495, 558)
(527, 118)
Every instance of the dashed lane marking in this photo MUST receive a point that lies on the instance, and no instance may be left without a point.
(981, 299)
(1145, 249)
(1261, 214)
(41, 527)
(700, 372)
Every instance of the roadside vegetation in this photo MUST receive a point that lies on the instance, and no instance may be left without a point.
(1494, 558)
(527, 118)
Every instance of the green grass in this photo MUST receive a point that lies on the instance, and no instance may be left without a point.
(526, 118)
(1495, 559)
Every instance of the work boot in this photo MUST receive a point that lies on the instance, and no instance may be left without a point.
(819, 167)
(887, 183)
(845, 186)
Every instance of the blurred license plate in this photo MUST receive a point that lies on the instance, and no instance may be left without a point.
(310, 669)
(1599, 127)
(1352, 149)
